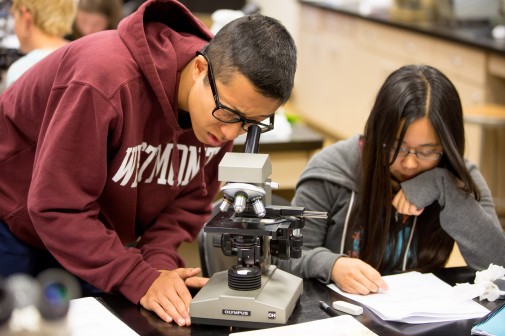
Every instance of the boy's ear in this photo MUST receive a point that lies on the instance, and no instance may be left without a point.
(26, 16)
(199, 66)
(24, 21)
(25, 12)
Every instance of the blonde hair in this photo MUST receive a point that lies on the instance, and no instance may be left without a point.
(53, 17)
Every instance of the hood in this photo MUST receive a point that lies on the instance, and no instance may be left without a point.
(339, 163)
(163, 36)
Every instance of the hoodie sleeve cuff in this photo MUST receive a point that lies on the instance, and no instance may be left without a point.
(320, 265)
(136, 284)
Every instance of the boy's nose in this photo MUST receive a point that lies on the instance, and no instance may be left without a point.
(232, 131)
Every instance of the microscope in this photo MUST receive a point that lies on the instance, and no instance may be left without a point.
(253, 293)
(37, 306)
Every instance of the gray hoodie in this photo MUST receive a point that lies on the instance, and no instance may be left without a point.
(330, 183)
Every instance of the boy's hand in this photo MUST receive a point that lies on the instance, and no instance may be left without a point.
(169, 296)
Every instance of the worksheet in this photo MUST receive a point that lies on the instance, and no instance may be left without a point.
(88, 317)
(415, 297)
(344, 325)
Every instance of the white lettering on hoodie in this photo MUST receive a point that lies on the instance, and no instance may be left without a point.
(147, 163)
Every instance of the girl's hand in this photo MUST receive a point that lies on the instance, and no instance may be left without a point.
(354, 276)
(403, 206)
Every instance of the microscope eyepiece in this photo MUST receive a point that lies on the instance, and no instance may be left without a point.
(57, 289)
(252, 140)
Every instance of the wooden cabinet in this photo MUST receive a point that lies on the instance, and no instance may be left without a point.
(344, 59)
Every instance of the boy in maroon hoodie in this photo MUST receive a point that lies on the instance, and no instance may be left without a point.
(114, 141)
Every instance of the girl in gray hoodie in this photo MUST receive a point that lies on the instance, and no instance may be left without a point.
(399, 196)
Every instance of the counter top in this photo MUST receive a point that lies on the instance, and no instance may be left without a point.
(147, 323)
(490, 115)
(474, 35)
(302, 138)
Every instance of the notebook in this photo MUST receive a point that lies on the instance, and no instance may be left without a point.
(417, 298)
(493, 324)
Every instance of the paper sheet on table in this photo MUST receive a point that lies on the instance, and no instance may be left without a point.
(419, 298)
(345, 325)
(87, 317)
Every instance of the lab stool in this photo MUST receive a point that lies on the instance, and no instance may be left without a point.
(491, 120)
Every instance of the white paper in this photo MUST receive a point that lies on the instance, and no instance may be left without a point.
(419, 298)
(88, 317)
(344, 325)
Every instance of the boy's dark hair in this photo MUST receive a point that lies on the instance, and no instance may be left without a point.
(260, 48)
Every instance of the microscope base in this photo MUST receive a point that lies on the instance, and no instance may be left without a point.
(269, 306)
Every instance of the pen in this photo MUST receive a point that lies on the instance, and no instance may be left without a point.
(329, 309)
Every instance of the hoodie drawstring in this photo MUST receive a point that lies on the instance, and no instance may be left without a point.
(405, 257)
(346, 223)
(202, 169)
(175, 160)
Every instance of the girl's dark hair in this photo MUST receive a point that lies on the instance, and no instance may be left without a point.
(408, 94)
(260, 48)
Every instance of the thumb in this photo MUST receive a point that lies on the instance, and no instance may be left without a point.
(185, 273)
(196, 282)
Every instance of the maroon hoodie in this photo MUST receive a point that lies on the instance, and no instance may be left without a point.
(92, 155)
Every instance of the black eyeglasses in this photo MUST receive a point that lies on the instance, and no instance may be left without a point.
(228, 115)
(423, 155)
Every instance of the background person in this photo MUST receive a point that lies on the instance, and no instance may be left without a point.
(96, 15)
(40, 27)
(399, 196)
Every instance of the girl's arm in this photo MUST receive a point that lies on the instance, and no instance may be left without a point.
(473, 224)
(321, 238)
